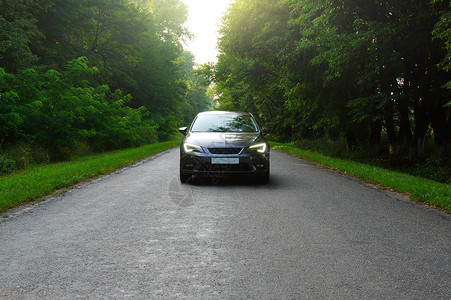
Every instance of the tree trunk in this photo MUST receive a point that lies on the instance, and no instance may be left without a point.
(351, 141)
(421, 126)
(442, 131)
(391, 131)
(405, 132)
(375, 138)
(398, 142)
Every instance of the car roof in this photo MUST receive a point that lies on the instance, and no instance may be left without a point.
(218, 112)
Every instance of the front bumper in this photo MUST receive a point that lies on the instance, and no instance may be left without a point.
(201, 164)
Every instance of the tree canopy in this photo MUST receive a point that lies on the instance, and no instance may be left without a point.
(341, 68)
(101, 73)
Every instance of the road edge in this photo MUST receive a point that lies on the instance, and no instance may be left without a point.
(29, 207)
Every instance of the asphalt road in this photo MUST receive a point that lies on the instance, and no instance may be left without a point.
(308, 234)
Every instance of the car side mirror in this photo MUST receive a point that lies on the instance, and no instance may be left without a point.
(183, 130)
(265, 130)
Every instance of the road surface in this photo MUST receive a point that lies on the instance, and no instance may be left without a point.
(308, 234)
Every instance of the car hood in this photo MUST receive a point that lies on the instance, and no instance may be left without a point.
(223, 139)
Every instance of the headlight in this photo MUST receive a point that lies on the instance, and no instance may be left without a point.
(192, 148)
(260, 148)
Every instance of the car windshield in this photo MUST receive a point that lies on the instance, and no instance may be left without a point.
(224, 123)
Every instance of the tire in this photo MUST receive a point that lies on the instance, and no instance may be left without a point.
(184, 177)
(265, 178)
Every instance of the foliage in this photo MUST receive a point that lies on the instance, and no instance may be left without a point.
(433, 168)
(442, 30)
(7, 165)
(93, 75)
(351, 69)
(17, 30)
(59, 109)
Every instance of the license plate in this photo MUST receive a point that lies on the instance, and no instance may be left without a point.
(225, 161)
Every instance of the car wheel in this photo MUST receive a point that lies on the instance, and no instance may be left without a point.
(184, 177)
(263, 178)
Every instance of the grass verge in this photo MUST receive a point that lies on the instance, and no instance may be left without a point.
(419, 189)
(35, 182)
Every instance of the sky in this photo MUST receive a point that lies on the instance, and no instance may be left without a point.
(204, 22)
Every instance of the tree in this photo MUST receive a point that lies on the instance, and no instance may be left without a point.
(101, 73)
(255, 48)
(61, 110)
(197, 98)
(17, 30)
(349, 68)
(442, 31)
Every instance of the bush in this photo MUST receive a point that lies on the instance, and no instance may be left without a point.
(21, 154)
(6, 165)
(324, 146)
(67, 112)
(434, 168)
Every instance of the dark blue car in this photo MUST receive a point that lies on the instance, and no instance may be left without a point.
(222, 143)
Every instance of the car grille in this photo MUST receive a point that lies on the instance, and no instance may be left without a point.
(225, 150)
(218, 168)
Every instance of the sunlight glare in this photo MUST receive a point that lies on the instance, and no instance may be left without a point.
(204, 21)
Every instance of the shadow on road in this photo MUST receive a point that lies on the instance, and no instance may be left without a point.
(185, 195)
(228, 181)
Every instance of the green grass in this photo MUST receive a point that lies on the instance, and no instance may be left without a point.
(419, 189)
(35, 182)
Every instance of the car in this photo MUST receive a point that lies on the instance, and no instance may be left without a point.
(222, 143)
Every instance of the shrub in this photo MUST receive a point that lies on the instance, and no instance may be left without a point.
(7, 165)
(434, 168)
(64, 111)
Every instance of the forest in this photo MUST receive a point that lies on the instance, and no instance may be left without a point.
(362, 71)
(85, 76)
